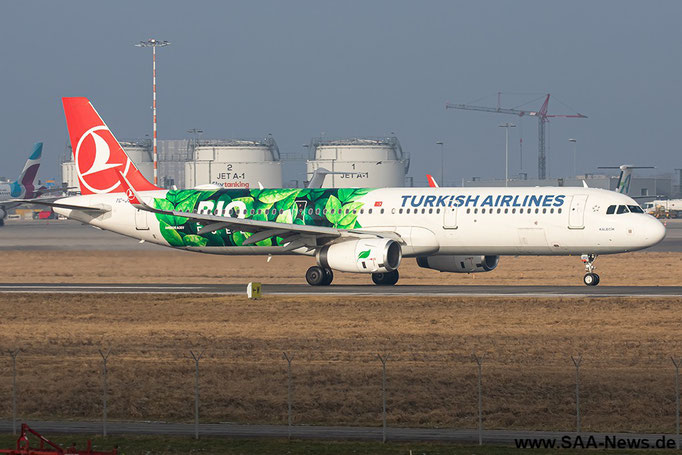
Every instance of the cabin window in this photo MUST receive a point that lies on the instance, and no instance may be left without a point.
(437, 210)
(506, 210)
(475, 210)
(513, 210)
(362, 211)
(611, 210)
(622, 209)
(482, 210)
(400, 211)
(317, 211)
(537, 210)
(424, 211)
(324, 211)
(544, 210)
(520, 210)
(430, 210)
(499, 210)
(382, 211)
(558, 210)
(635, 209)
(368, 211)
(252, 211)
(551, 210)
(310, 211)
(468, 211)
(408, 211)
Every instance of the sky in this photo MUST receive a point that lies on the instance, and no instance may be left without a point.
(299, 69)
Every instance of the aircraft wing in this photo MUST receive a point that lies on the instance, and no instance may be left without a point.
(53, 202)
(295, 235)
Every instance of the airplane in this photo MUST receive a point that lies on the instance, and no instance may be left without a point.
(24, 186)
(359, 230)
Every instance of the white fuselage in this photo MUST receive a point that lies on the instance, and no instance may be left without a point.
(446, 221)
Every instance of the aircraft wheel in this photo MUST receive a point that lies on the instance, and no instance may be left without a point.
(385, 279)
(315, 276)
(591, 279)
(328, 277)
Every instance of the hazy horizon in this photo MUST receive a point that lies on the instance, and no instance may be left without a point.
(298, 69)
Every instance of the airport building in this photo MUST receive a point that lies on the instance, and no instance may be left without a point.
(359, 162)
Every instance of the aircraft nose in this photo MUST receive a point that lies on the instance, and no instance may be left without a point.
(655, 231)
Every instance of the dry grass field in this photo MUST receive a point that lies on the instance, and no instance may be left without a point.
(172, 266)
(627, 377)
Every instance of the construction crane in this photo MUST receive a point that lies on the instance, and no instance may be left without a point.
(543, 118)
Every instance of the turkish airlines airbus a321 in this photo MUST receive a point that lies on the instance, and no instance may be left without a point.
(359, 230)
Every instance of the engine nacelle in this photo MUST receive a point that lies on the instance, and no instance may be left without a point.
(362, 255)
(459, 264)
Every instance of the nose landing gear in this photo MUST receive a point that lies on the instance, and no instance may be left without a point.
(590, 278)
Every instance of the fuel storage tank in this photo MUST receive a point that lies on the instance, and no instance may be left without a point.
(235, 163)
(359, 162)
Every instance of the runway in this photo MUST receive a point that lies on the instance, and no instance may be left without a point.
(302, 289)
(317, 432)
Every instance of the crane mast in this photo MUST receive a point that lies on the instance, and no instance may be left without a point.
(542, 116)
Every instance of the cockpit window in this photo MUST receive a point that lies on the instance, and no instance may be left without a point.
(622, 209)
(635, 209)
(611, 210)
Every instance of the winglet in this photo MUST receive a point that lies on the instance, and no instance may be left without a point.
(585, 184)
(133, 198)
(432, 181)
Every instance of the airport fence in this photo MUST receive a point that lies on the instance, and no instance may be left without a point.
(296, 388)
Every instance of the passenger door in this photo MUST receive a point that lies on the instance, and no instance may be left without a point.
(141, 220)
(450, 218)
(576, 214)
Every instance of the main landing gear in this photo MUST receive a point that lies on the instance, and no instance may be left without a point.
(321, 276)
(590, 278)
(385, 279)
(318, 276)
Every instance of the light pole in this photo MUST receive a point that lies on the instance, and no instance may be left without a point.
(196, 132)
(575, 152)
(153, 43)
(506, 126)
(442, 163)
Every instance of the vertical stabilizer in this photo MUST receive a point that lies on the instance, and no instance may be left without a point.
(96, 152)
(25, 185)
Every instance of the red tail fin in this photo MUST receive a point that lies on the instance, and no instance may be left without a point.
(96, 151)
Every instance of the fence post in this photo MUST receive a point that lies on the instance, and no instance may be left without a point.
(676, 362)
(479, 362)
(196, 391)
(288, 358)
(14, 354)
(577, 361)
(383, 360)
(105, 388)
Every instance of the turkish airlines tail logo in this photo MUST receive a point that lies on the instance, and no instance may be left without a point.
(96, 151)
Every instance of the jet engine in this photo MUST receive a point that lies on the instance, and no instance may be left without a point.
(459, 264)
(362, 255)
